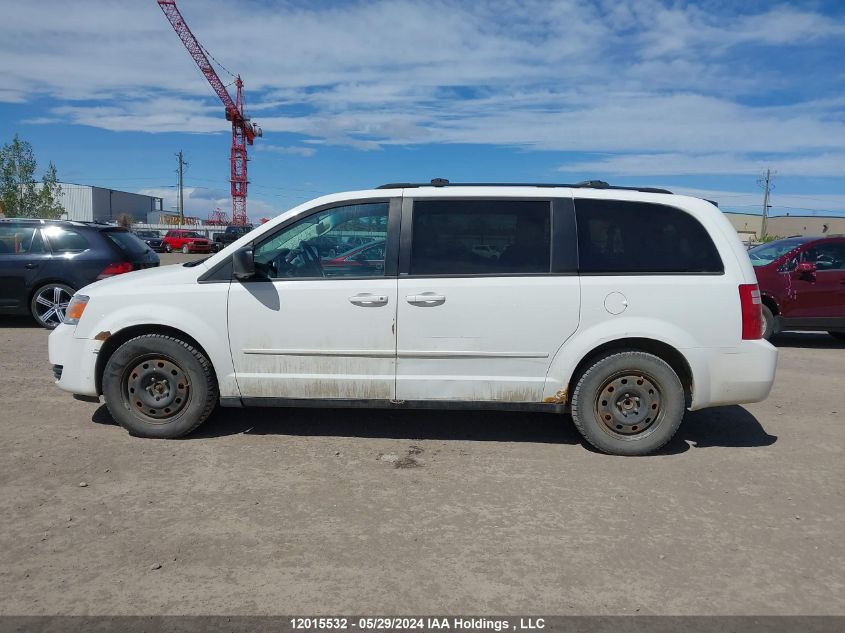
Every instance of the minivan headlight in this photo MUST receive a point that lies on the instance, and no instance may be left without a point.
(75, 309)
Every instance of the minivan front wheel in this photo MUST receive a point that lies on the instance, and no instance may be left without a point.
(159, 386)
(628, 403)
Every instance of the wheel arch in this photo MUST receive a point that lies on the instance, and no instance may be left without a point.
(671, 355)
(771, 303)
(46, 282)
(115, 340)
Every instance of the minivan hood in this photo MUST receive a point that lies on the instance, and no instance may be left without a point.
(145, 279)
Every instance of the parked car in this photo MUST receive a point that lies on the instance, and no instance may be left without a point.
(802, 283)
(43, 262)
(186, 241)
(232, 233)
(643, 307)
(363, 259)
(151, 238)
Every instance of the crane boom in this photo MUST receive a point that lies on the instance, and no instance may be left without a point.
(243, 131)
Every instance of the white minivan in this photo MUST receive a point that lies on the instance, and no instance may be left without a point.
(624, 306)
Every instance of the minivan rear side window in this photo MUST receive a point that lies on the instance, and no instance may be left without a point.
(480, 237)
(622, 237)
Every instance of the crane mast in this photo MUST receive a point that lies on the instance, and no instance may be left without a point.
(243, 131)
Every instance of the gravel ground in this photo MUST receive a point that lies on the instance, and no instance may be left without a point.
(385, 512)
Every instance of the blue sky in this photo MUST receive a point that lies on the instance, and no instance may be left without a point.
(699, 97)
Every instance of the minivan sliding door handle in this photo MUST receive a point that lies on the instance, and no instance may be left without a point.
(426, 299)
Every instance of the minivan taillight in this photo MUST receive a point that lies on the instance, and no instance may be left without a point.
(752, 312)
(115, 269)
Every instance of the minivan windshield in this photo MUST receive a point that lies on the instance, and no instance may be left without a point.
(765, 254)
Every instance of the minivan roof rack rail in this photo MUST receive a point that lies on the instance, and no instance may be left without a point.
(585, 184)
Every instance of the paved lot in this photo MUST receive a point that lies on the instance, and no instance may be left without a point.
(293, 511)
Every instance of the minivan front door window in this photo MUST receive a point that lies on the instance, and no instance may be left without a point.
(308, 248)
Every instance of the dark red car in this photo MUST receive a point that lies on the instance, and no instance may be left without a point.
(802, 283)
(186, 241)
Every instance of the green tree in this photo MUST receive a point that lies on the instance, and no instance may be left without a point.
(20, 193)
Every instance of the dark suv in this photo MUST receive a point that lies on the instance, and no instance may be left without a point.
(233, 232)
(151, 239)
(802, 283)
(43, 262)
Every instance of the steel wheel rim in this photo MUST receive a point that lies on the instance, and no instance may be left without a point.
(157, 389)
(629, 405)
(51, 303)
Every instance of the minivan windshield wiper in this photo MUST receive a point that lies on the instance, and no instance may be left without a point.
(195, 262)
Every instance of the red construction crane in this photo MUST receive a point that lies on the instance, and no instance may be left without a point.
(243, 131)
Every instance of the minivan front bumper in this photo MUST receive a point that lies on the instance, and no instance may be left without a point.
(736, 376)
(77, 358)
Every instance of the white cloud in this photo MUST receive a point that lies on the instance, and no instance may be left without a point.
(678, 164)
(653, 83)
(286, 149)
(752, 201)
(201, 202)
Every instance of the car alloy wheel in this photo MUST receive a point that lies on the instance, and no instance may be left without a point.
(185, 249)
(49, 304)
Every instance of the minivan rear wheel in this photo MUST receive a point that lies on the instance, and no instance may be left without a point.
(768, 322)
(49, 303)
(159, 386)
(628, 403)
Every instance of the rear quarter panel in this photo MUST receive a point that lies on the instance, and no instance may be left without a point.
(697, 314)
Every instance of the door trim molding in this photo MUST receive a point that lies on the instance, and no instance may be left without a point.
(364, 353)
(468, 354)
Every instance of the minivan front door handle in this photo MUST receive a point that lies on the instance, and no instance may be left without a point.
(426, 299)
(367, 300)
(31, 266)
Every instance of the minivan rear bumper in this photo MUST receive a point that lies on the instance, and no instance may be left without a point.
(735, 376)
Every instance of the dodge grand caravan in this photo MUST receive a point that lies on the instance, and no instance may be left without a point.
(624, 306)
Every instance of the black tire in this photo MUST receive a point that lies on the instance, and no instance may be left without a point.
(622, 384)
(185, 249)
(168, 248)
(768, 322)
(838, 335)
(49, 302)
(190, 389)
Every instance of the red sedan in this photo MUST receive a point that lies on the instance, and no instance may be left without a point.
(367, 258)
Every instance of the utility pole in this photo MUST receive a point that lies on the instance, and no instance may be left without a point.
(766, 183)
(181, 202)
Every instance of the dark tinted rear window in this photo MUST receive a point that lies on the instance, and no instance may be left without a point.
(639, 237)
(480, 237)
(126, 242)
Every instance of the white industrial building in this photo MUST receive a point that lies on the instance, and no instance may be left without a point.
(88, 203)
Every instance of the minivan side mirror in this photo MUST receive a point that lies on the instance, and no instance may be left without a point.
(243, 263)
